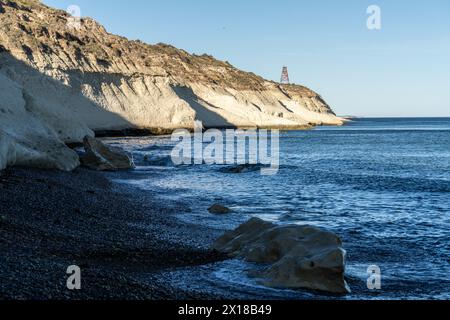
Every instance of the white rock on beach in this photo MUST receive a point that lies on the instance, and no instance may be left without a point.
(26, 138)
(299, 256)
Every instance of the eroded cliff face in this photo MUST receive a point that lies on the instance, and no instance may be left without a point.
(61, 80)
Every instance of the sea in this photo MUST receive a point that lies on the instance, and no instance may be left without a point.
(381, 184)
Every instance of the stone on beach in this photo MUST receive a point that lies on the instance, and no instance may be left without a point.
(219, 209)
(299, 256)
(102, 158)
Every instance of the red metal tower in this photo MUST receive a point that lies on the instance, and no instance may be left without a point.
(285, 76)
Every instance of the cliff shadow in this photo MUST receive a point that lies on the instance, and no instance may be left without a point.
(47, 96)
(210, 119)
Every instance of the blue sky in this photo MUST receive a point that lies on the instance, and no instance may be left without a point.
(401, 70)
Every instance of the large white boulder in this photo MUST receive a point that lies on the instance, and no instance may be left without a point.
(299, 256)
(26, 138)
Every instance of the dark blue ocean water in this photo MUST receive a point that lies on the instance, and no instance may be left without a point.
(383, 185)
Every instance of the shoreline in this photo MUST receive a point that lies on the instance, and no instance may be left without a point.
(149, 243)
(160, 132)
(144, 132)
(50, 220)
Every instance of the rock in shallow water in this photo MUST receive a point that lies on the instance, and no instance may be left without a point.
(219, 209)
(299, 256)
(101, 157)
(243, 168)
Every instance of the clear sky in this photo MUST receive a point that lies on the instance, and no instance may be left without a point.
(401, 70)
